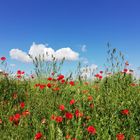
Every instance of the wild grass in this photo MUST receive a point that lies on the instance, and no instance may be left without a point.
(53, 107)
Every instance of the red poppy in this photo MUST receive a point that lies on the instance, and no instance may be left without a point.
(90, 98)
(11, 118)
(42, 86)
(63, 81)
(91, 130)
(16, 117)
(133, 84)
(56, 88)
(120, 136)
(49, 85)
(38, 135)
(100, 77)
(49, 78)
(101, 72)
(58, 119)
(3, 58)
(22, 104)
(71, 83)
(60, 77)
(62, 107)
(25, 113)
(125, 112)
(18, 76)
(72, 102)
(125, 70)
(78, 113)
(53, 117)
(19, 72)
(67, 136)
(68, 115)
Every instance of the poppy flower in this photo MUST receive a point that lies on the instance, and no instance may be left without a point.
(120, 136)
(63, 81)
(68, 115)
(16, 117)
(60, 77)
(78, 113)
(125, 112)
(11, 118)
(67, 136)
(3, 58)
(90, 98)
(49, 85)
(18, 76)
(71, 83)
(72, 102)
(62, 107)
(53, 117)
(125, 70)
(42, 86)
(22, 104)
(91, 130)
(49, 78)
(59, 119)
(25, 113)
(38, 135)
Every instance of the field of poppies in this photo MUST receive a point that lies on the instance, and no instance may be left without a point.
(56, 107)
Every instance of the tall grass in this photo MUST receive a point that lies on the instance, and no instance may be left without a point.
(54, 107)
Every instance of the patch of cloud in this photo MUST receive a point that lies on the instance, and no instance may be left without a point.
(84, 48)
(41, 50)
(19, 55)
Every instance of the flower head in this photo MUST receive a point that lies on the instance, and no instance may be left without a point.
(120, 136)
(91, 130)
(62, 107)
(125, 112)
(68, 115)
(3, 58)
(38, 135)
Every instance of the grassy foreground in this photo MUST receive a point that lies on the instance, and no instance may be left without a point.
(58, 108)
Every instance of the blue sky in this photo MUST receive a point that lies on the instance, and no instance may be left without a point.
(71, 23)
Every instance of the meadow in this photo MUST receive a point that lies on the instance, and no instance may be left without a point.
(53, 106)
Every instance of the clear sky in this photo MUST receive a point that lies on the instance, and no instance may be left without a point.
(73, 24)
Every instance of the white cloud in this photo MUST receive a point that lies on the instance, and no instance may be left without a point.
(89, 70)
(41, 49)
(19, 55)
(68, 53)
(84, 48)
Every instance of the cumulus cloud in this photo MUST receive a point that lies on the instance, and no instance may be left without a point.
(89, 70)
(37, 50)
(19, 55)
(84, 48)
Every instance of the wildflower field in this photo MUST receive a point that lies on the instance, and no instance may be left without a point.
(59, 107)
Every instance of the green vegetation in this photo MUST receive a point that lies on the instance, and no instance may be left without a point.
(56, 107)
